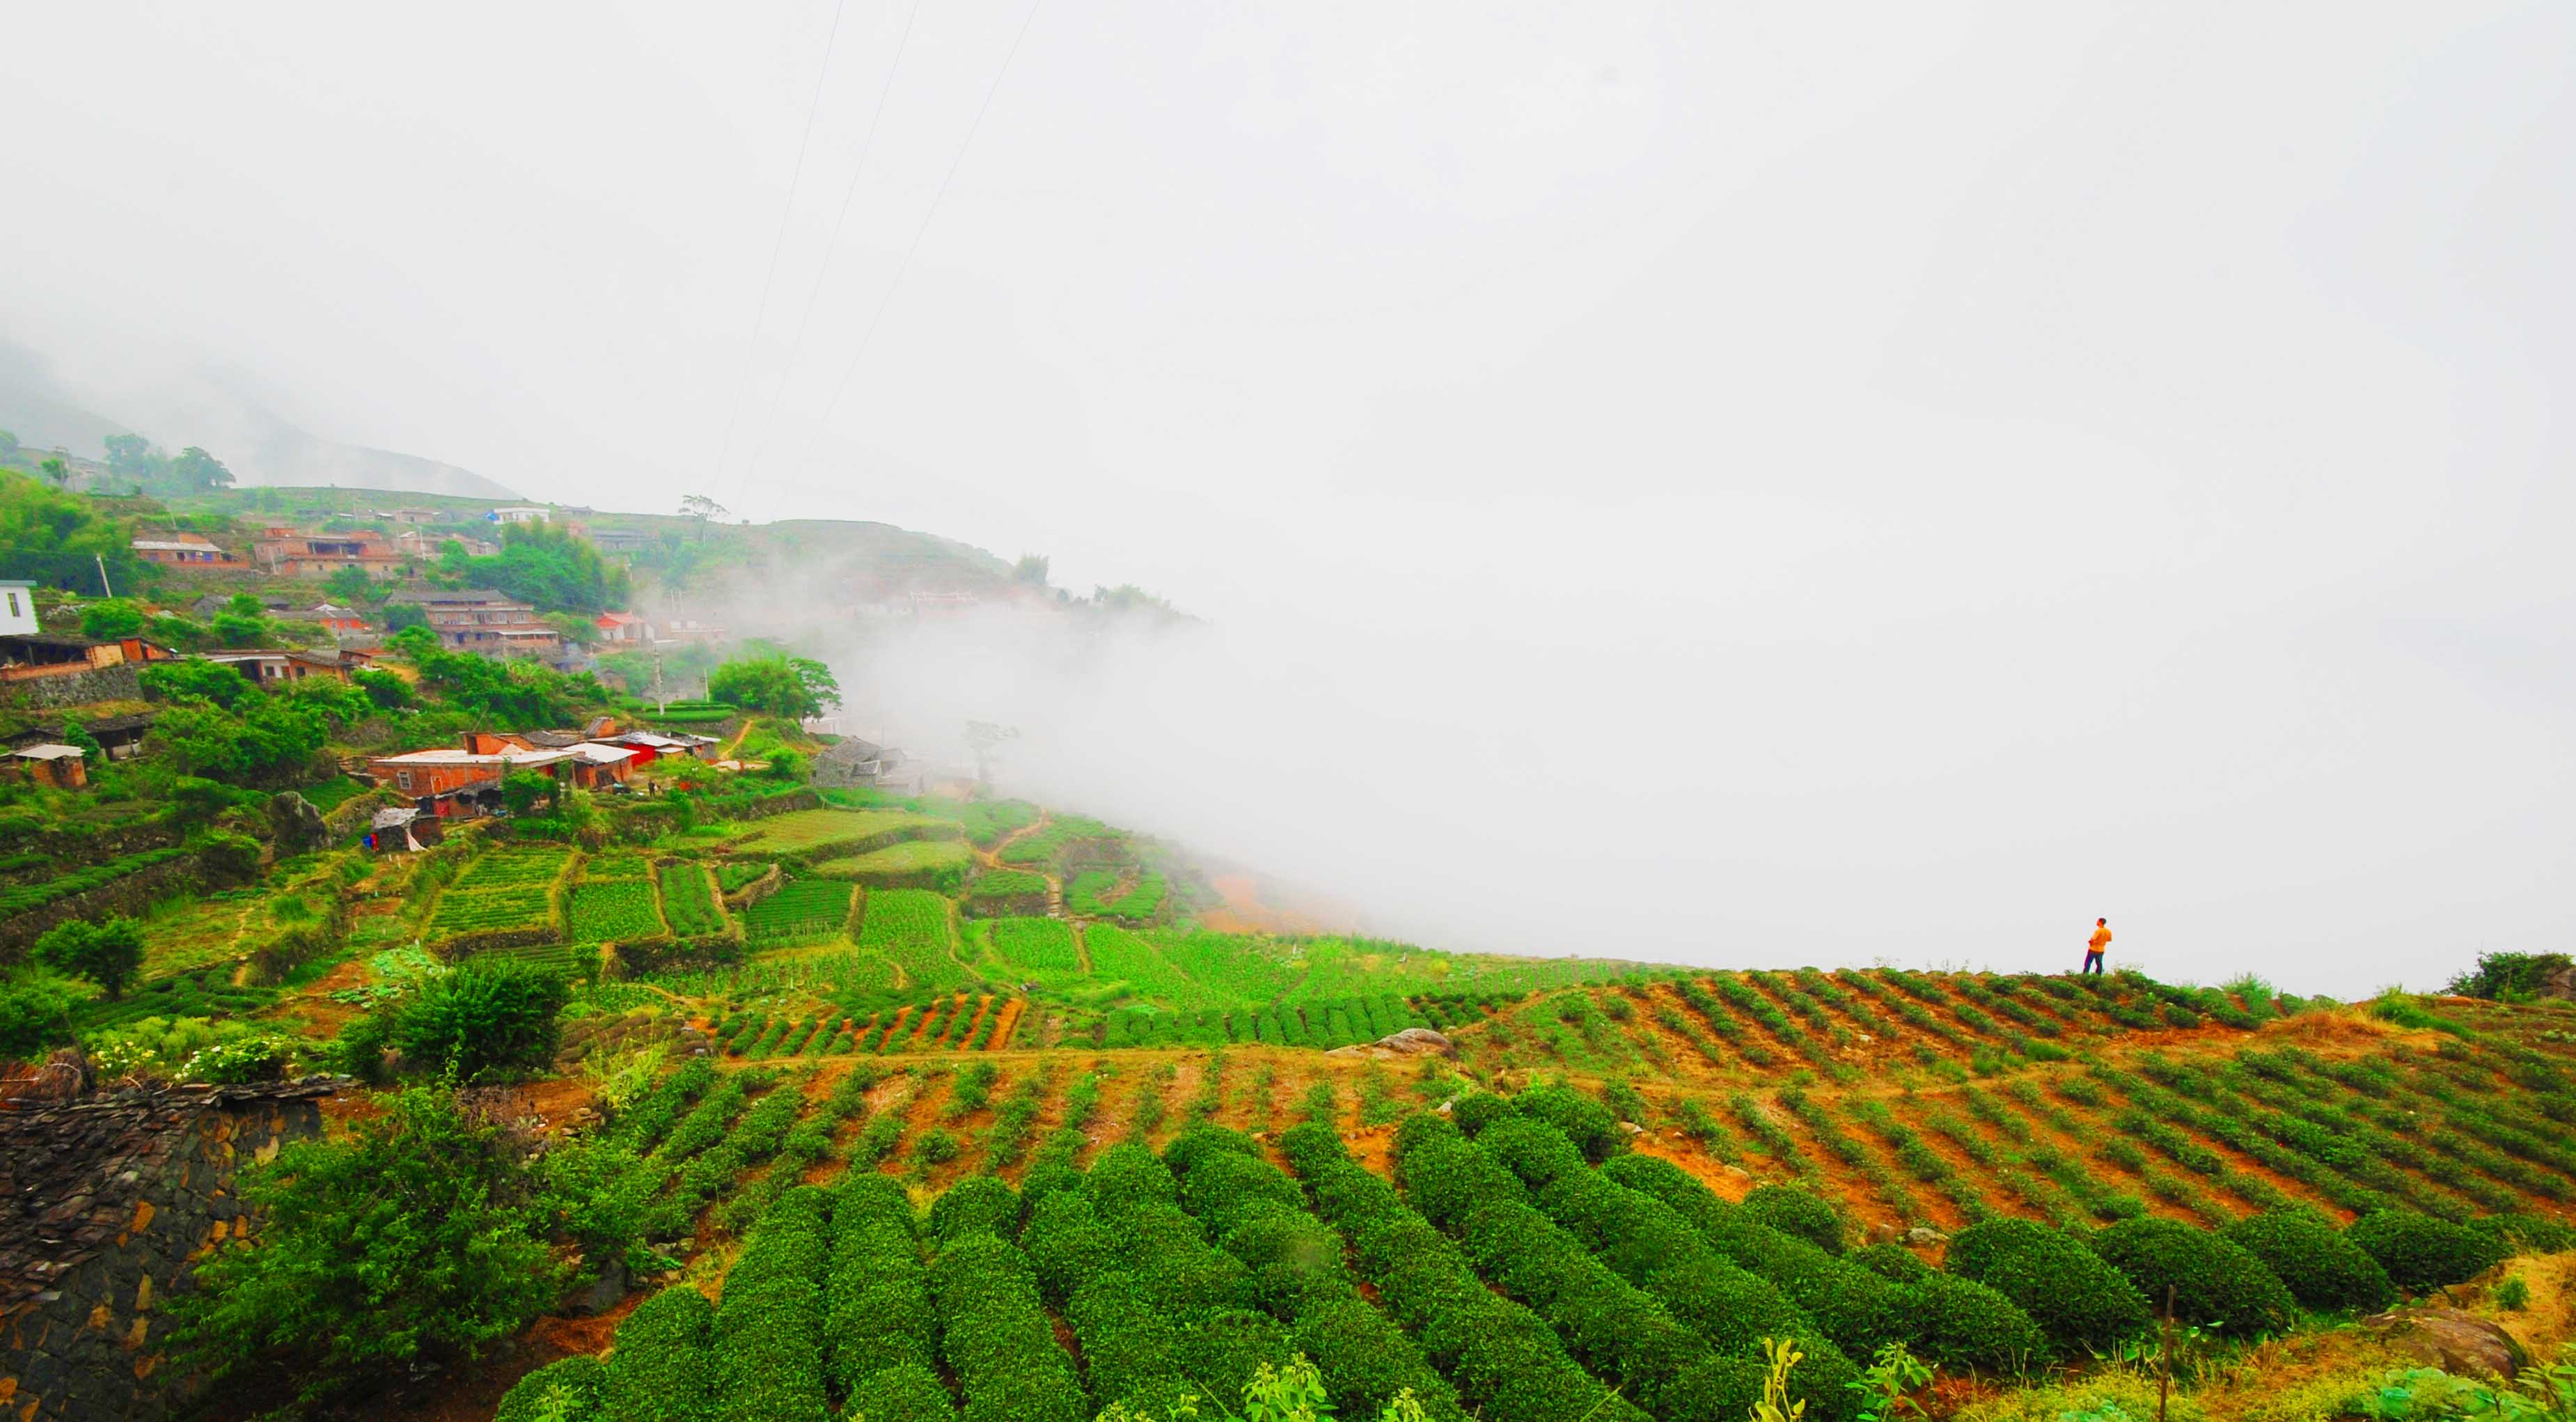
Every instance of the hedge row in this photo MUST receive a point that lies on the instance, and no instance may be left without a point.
(807, 1141)
(663, 1368)
(1258, 1215)
(999, 1343)
(1503, 1359)
(877, 1298)
(769, 1329)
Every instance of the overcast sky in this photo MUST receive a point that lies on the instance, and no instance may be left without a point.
(1748, 485)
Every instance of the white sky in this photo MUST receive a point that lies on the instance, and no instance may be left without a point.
(1752, 485)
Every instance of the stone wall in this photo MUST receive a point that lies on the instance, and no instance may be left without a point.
(122, 682)
(129, 895)
(106, 1204)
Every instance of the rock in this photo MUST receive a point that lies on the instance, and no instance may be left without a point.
(1925, 1234)
(2448, 1339)
(602, 1296)
(296, 824)
(1632, 1128)
(2560, 984)
(1882, 1234)
(1411, 1042)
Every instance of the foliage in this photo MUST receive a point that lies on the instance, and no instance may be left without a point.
(663, 1369)
(271, 740)
(19, 898)
(212, 683)
(35, 1013)
(551, 568)
(1781, 1355)
(2420, 1252)
(1797, 1212)
(566, 1390)
(108, 953)
(793, 687)
(56, 538)
(2076, 1297)
(110, 619)
(2322, 1267)
(493, 1017)
(2509, 977)
(410, 1240)
(2213, 1280)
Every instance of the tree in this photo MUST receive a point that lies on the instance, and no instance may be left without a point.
(209, 683)
(550, 567)
(108, 953)
(76, 734)
(522, 789)
(234, 630)
(399, 615)
(8, 444)
(2510, 977)
(59, 539)
(1031, 569)
(272, 739)
(350, 585)
(493, 1017)
(387, 690)
(196, 469)
(131, 455)
(704, 510)
(112, 618)
(982, 737)
(57, 471)
(414, 1239)
(795, 687)
(35, 1013)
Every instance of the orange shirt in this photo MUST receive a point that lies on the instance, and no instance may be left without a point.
(2101, 938)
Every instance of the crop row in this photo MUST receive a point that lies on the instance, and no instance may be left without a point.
(615, 911)
(689, 900)
(803, 910)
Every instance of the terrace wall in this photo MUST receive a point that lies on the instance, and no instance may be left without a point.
(106, 1204)
(76, 688)
(130, 896)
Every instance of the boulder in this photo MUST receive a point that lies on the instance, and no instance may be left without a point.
(295, 824)
(1411, 1042)
(2451, 1340)
(2560, 984)
(1925, 1234)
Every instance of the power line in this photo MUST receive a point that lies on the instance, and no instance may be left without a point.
(831, 250)
(795, 177)
(868, 335)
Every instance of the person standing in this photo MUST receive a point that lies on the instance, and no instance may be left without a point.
(2093, 950)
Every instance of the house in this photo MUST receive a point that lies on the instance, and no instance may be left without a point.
(120, 736)
(520, 513)
(269, 666)
(596, 766)
(622, 627)
(17, 607)
(650, 746)
(63, 767)
(490, 624)
(461, 782)
(621, 540)
(684, 630)
(27, 656)
(395, 831)
(416, 516)
(188, 549)
(288, 553)
(429, 547)
(856, 762)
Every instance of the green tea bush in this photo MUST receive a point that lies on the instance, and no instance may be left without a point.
(999, 1342)
(769, 1328)
(2213, 1280)
(1958, 1322)
(662, 1369)
(1798, 1213)
(1585, 1122)
(2075, 1296)
(2420, 1252)
(566, 1390)
(2321, 1267)
(901, 1392)
(492, 1018)
(876, 1299)
(981, 1202)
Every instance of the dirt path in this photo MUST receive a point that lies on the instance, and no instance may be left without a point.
(992, 859)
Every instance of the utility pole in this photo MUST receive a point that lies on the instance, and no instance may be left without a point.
(103, 588)
(659, 694)
(2164, 1360)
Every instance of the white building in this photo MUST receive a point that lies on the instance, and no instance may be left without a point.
(520, 513)
(17, 608)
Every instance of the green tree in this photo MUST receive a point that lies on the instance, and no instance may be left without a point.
(108, 953)
(1031, 569)
(76, 734)
(412, 1240)
(234, 630)
(56, 538)
(552, 568)
(35, 1013)
(112, 618)
(795, 687)
(196, 469)
(493, 1017)
(399, 615)
(57, 471)
(522, 789)
(387, 690)
(209, 683)
(704, 510)
(270, 740)
(131, 455)
(350, 585)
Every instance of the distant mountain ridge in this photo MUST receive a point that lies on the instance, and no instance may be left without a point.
(256, 443)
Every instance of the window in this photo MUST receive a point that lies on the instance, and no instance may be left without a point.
(403, 778)
(13, 604)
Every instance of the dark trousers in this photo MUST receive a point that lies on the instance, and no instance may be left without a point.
(2092, 962)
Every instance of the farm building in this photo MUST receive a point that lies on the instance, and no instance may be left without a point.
(490, 624)
(63, 767)
(184, 550)
(270, 666)
(17, 607)
(856, 762)
(293, 554)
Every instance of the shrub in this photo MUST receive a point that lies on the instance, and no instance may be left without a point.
(2072, 1293)
(1797, 1213)
(1586, 1122)
(999, 1341)
(35, 1013)
(2213, 1280)
(984, 1202)
(492, 1017)
(1477, 1110)
(2321, 1267)
(2420, 1252)
(662, 1369)
(1893, 1262)
(1958, 1322)
(904, 1392)
(566, 1390)
(411, 1240)
(108, 953)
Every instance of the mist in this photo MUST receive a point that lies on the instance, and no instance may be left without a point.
(1714, 485)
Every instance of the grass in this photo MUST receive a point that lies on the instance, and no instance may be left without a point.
(910, 927)
(938, 862)
(689, 900)
(800, 830)
(1034, 945)
(619, 911)
(804, 911)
